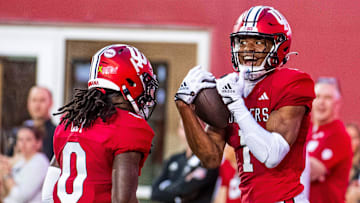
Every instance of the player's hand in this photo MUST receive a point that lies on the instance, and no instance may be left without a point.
(196, 80)
(231, 87)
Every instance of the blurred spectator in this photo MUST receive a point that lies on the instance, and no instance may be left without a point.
(353, 192)
(22, 182)
(183, 179)
(39, 103)
(329, 145)
(229, 191)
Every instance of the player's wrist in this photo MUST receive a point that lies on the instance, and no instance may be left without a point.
(181, 104)
(239, 110)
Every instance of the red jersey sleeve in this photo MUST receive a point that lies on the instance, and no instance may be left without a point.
(299, 90)
(134, 134)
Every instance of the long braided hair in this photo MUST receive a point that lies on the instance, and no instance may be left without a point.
(87, 105)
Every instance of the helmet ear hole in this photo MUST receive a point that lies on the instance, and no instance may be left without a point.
(130, 82)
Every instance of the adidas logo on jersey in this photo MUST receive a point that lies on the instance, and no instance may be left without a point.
(227, 89)
(263, 97)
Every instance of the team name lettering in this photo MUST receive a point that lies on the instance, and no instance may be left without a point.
(260, 114)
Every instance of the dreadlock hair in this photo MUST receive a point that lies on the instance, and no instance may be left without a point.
(87, 105)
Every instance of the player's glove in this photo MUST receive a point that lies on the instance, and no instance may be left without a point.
(196, 80)
(230, 87)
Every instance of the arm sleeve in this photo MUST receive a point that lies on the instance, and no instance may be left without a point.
(29, 185)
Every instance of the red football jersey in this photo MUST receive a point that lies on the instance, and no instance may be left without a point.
(283, 87)
(231, 180)
(331, 145)
(86, 155)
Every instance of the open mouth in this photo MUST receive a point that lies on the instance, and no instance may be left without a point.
(250, 60)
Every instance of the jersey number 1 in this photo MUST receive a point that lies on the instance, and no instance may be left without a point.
(247, 165)
(72, 147)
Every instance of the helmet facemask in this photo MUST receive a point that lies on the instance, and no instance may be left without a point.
(147, 101)
(249, 61)
(145, 104)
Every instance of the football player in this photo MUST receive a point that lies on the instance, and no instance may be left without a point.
(103, 138)
(329, 145)
(270, 107)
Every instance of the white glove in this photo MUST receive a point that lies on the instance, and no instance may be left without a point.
(196, 80)
(231, 87)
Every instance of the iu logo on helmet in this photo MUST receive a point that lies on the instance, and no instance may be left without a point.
(137, 58)
(281, 19)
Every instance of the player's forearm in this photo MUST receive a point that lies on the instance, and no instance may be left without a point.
(268, 147)
(202, 145)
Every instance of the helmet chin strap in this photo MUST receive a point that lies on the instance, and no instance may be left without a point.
(131, 100)
(254, 72)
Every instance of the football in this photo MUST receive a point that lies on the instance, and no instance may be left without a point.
(210, 108)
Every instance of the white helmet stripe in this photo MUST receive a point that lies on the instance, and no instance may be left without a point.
(247, 16)
(254, 14)
(95, 63)
(257, 15)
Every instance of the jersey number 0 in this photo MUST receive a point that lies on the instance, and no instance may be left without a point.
(72, 147)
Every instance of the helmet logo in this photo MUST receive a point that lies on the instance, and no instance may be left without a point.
(281, 20)
(100, 69)
(109, 53)
(137, 59)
